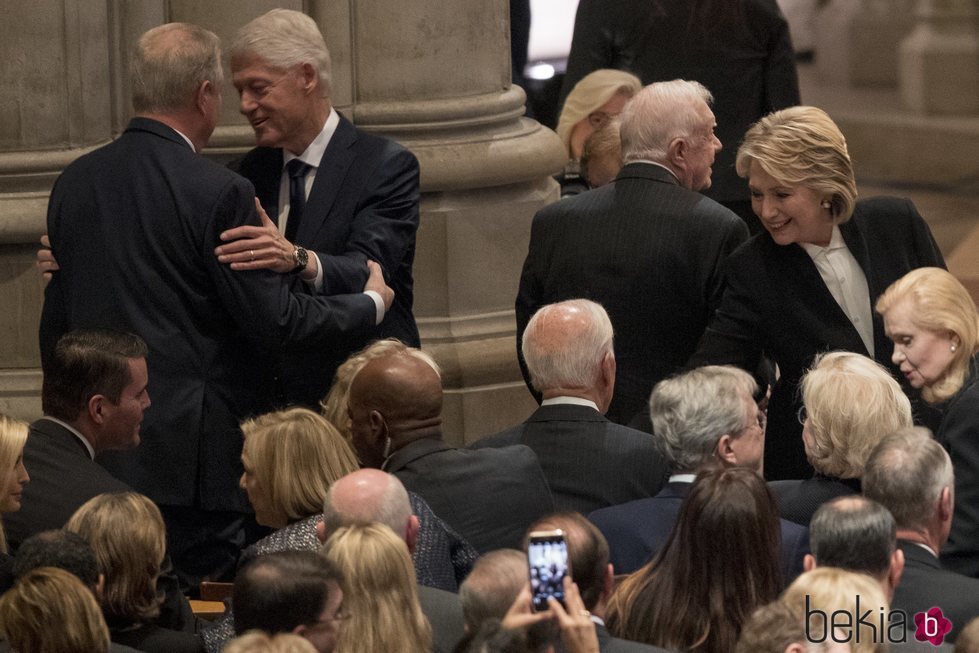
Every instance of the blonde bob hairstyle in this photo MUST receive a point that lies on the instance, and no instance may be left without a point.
(295, 456)
(589, 94)
(334, 406)
(255, 641)
(49, 610)
(829, 589)
(942, 305)
(379, 591)
(127, 535)
(803, 146)
(852, 402)
(13, 437)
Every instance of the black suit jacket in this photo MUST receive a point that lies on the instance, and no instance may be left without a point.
(745, 61)
(798, 501)
(134, 225)
(636, 531)
(959, 434)
(650, 252)
(776, 301)
(925, 584)
(609, 644)
(63, 477)
(589, 462)
(490, 496)
(363, 206)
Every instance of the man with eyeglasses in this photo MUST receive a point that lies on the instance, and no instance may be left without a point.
(702, 418)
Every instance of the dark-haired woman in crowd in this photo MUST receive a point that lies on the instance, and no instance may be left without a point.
(719, 564)
(128, 537)
(807, 284)
(932, 319)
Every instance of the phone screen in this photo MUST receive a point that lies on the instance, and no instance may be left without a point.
(547, 555)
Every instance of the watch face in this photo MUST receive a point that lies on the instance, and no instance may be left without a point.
(302, 258)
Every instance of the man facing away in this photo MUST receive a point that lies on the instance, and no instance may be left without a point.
(337, 195)
(133, 226)
(648, 247)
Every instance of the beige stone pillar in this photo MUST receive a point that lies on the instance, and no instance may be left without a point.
(857, 40)
(434, 77)
(939, 64)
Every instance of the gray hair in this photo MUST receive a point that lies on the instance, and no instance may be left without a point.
(691, 412)
(564, 344)
(906, 473)
(657, 114)
(285, 38)
(853, 533)
(390, 507)
(170, 63)
(492, 585)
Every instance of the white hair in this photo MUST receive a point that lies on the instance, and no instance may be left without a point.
(286, 38)
(656, 115)
(564, 344)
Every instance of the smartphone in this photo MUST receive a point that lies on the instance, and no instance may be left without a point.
(547, 557)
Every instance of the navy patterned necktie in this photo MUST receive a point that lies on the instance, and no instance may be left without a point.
(297, 170)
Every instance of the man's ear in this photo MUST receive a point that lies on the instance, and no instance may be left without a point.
(724, 450)
(808, 562)
(608, 581)
(311, 79)
(204, 96)
(945, 505)
(411, 533)
(321, 533)
(895, 571)
(96, 408)
(676, 153)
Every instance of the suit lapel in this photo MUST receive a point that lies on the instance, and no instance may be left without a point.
(329, 178)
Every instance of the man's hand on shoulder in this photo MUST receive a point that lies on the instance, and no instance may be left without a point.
(46, 263)
(375, 282)
(261, 247)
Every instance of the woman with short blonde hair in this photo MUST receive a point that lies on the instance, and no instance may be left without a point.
(13, 474)
(127, 535)
(932, 320)
(380, 592)
(807, 284)
(49, 610)
(291, 457)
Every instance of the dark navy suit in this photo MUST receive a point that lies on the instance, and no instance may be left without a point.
(636, 531)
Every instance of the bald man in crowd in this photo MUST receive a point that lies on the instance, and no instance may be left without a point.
(488, 495)
(589, 461)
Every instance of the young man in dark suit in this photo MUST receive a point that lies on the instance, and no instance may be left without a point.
(133, 226)
(337, 196)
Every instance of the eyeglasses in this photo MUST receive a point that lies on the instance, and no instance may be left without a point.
(802, 415)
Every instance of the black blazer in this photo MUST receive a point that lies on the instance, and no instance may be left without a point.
(798, 501)
(959, 434)
(648, 250)
(589, 462)
(134, 225)
(63, 477)
(363, 205)
(750, 70)
(490, 496)
(776, 301)
(636, 531)
(925, 584)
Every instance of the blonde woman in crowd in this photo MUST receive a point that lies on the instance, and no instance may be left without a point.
(50, 611)
(258, 642)
(13, 475)
(850, 403)
(127, 535)
(380, 593)
(932, 319)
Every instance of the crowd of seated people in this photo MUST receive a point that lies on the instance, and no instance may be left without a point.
(745, 505)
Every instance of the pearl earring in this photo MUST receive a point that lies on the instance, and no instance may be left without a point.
(826, 205)
(953, 347)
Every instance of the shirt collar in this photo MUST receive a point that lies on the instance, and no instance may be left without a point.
(577, 401)
(314, 153)
(184, 136)
(68, 427)
(835, 242)
(682, 478)
(657, 163)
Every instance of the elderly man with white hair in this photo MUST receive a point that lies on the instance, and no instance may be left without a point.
(647, 247)
(589, 462)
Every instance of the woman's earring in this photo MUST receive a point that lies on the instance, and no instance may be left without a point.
(826, 204)
(953, 347)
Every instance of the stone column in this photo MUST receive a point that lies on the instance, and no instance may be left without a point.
(857, 40)
(432, 76)
(939, 62)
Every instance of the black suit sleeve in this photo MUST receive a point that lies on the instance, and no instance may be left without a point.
(383, 228)
(591, 48)
(781, 78)
(959, 433)
(260, 301)
(529, 296)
